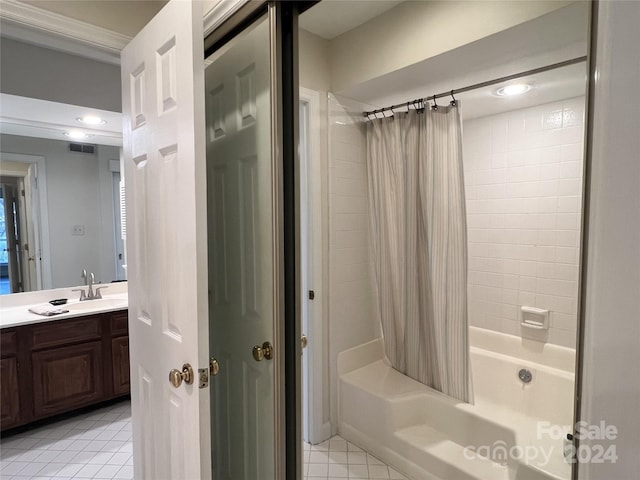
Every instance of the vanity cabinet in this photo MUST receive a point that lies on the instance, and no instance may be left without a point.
(9, 394)
(120, 353)
(58, 366)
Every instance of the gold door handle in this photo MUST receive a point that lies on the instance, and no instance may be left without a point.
(262, 352)
(176, 377)
(214, 367)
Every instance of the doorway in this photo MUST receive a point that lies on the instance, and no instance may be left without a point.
(10, 271)
(316, 426)
(19, 229)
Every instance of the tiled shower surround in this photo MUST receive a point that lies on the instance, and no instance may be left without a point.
(523, 179)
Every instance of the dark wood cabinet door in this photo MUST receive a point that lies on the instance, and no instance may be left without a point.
(65, 378)
(120, 323)
(9, 395)
(120, 355)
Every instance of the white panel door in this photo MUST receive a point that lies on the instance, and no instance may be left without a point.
(164, 158)
(242, 225)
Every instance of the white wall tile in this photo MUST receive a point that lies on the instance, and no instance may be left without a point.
(523, 181)
(351, 314)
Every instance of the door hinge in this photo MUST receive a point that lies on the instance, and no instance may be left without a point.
(22, 192)
(312, 294)
(203, 377)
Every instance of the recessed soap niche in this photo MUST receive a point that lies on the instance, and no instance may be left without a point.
(534, 318)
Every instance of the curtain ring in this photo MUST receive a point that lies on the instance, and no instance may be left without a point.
(435, 103)
(453, 99)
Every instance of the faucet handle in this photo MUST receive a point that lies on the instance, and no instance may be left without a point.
(82, 294)
(98, 294)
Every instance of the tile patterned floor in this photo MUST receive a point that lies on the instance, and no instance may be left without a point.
(93, 445)
(337, 459)
(98, 445)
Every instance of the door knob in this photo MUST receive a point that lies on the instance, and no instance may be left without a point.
(262, 352)
(304, 341)
(214, 367)
(176, 377)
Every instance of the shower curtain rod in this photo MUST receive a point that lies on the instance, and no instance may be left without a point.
(488, 83)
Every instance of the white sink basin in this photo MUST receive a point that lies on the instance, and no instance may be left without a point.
(102, 303)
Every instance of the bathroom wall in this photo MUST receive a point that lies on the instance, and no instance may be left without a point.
(36, 72)
(79, 192)
(314, 68)
(414, 31)
(352, 313)
(523, 178)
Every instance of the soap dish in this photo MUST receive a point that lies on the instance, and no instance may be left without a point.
(58, 301)
(534, 318)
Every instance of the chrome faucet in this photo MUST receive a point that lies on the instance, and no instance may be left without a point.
(90, 282)
(91, 295)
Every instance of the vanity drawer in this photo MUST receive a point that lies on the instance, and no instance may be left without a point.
(65, 332)
(8, 343)
(119, 323)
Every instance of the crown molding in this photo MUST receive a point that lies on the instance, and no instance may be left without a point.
(220, 12)
(37, 26)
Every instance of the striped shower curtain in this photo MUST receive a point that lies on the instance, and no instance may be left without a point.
(419, 245)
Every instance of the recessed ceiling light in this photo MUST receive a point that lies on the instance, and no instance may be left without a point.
(91, 120)
(515, 89)
(76, 134)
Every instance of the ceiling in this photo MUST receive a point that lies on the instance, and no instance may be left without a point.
(31, 117)
(126, 17)
(551, 38)
(489, 58)
(331, 18)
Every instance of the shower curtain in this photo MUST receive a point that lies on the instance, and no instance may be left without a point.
(419, 245)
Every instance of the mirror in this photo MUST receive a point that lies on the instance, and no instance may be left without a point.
(60, 195)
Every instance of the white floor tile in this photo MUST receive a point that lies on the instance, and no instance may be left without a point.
(345, 461)
(338, 470)
(319, 457)
(119, 458)
(88, 471)
(318, 470)
(108, 471)
(378, 471)
(338, 457)
(93, 445)
(100, 458)
(125, 473)
(358, 471)
(98, 445)
(357, 458)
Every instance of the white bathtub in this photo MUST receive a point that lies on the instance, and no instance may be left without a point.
(427, 435)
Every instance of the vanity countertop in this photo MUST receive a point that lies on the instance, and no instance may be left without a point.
(14, 308)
